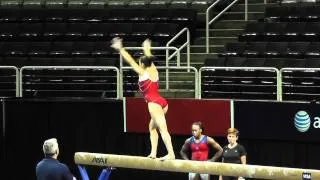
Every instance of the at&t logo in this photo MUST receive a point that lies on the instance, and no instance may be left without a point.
(302, 121)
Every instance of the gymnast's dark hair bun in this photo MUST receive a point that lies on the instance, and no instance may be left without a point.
(148, 60)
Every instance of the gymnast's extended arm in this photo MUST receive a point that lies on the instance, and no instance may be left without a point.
(116, 43)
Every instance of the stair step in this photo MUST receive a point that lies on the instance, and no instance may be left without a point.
(255, 7)
(176, 73)
(183, 63)
(201, 18)
(230, 24)
(260, 7)
(202, 48)
(259, 1)
(241, 16)
(178, 85)
(174, 78)
(215, 40)
(200, 57)
(219, 32)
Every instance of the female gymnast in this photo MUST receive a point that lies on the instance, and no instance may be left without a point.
(148, 85)
(199, 145)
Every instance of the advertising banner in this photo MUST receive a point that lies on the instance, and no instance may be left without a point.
(278, 120)
(214, 114)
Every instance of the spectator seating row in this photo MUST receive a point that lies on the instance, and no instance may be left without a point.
(299, 2)
(64, 53)
(93, 24)
(182, 16)
(300, 85)
(292, 14)
(56, 49)
(263, 62)
(273, 49)
(195, 4)
(239, 84)
(260, 84)
(62, 49)
(162, 32)
(59, 61)
(69, 83)
(281, 31)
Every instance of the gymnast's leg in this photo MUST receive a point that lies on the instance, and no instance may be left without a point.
(153, 139)
(158, 115)
(204, 176)
(192, 176)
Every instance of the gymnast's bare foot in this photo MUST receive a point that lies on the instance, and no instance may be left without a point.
(167, 157)
(152, 156)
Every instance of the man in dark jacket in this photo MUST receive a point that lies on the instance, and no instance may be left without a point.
(49, 168)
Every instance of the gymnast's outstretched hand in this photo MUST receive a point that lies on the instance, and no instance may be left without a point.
(146, 43)
(147, 47)
(116, 43)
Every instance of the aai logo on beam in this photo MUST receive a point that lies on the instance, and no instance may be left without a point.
(99, 160)
(302, 121)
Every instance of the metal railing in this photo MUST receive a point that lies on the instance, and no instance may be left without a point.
(246, 10)
(196, 79)
(17, 77)
(279, 92)
(177, 53)
(209, 22)
(186, 44)
(198, 75)
(70, 67)
(304, 70)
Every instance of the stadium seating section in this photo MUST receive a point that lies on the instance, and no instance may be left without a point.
(287, 37)
(78, 33)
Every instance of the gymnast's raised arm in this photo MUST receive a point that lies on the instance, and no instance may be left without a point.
(147, 47)
(116, 43)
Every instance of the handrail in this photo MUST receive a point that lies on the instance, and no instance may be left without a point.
(279, 90)
(177, 51)
(279, 86)
(299, 69)
(209, 22)
(182, 46)
(246, 10)
(71, 67)
(196, 79)
(17, 77)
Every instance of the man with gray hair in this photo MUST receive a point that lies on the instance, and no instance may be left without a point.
(49, 168)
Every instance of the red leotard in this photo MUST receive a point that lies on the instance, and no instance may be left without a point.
(199, 150)
(149, 90)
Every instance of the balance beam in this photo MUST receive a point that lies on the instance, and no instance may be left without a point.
(203, 167)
